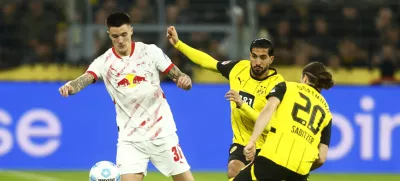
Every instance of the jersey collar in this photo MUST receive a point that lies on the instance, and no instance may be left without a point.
(314, 87)
(270, 75)
(132, 50)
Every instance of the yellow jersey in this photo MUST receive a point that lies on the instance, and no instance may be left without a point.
(300, 123)
(253, 92)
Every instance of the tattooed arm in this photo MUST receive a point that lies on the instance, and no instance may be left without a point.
(181, 79)
(74, 86)
(81, 82)
(175, 73)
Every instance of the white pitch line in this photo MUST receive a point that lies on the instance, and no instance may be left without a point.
(31, 176)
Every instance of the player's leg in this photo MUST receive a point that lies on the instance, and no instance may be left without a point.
(167, 156)
(185, 176)
(244, 174)
(237, 161)
(132, 177)
(132, 160)
(262, 169)
(234, 167)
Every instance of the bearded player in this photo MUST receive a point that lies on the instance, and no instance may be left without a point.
(147, 131)
(250, 82)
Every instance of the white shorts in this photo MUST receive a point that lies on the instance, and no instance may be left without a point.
(165, 154)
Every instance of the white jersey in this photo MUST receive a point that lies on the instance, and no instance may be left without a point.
(134, 85)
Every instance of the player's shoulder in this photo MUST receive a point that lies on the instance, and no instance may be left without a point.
(237, 64)
(290, 86)
(106, 55)
(244, 62)
(275, 75)
(241, 62)
(140, 44)
(230, 65)
(149, 47)
(291, 83)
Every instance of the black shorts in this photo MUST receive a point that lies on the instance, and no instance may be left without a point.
(266, 170)
(236, 153)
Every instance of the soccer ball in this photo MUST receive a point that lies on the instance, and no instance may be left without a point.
(104, 171)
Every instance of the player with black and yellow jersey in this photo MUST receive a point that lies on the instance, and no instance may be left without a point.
(299, 123)
(250, 82)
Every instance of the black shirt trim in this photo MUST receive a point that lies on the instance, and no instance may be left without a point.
(226, 67)
(326, 134)
(278, 91)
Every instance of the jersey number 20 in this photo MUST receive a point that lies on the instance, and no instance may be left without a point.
(309, 109)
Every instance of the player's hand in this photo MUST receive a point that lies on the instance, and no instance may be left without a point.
(66, 90)
(184, 82)
(172, 35)
(234, 96)
(250, 151)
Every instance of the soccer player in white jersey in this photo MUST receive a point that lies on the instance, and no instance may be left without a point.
(146, 128)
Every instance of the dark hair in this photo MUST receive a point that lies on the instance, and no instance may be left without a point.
(263, 43)
(318, 75)
(118, 19)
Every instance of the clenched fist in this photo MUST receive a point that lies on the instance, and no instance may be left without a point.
(172, 35)
(184, 82)
(66, 90)
(250, 151)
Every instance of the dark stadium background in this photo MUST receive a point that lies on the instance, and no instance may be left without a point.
(44, 43)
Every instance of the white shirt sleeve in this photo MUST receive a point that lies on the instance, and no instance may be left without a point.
(95, 68)
(162, 61)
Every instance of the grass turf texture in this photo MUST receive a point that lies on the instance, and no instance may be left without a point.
(199, 176)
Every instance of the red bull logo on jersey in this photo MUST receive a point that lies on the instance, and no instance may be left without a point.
(130, 80)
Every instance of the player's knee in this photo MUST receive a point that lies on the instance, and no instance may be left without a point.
(232, 173)
(234, 168)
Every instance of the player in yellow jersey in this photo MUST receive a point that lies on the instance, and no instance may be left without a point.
(299, 123)
(250, 82)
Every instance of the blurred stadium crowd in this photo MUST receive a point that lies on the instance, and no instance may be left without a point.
(342, 34)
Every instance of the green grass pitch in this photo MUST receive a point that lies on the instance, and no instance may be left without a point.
(199, 176)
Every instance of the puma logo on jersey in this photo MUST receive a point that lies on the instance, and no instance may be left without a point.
(240, 80)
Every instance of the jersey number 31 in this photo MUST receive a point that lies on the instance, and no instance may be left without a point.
(247, 98)
(311, 111)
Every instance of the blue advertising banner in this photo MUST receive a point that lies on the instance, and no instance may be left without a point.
(39, 129)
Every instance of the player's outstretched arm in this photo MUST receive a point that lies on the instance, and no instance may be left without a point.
(182, 80)
(196, 56)
(74, 86)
